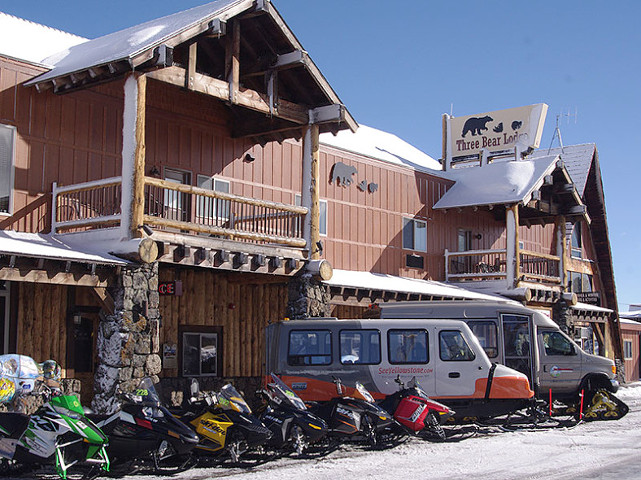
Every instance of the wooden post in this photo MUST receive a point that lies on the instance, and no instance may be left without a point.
(561, 249)
(133, 156)
(315, 191)
(512, 247)
(232, 62)
(138, 209)
(306, 186)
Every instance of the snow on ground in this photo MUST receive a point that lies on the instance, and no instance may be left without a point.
(603, 450)
(596, 450)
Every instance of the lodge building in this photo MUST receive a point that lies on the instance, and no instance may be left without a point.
(169, 190)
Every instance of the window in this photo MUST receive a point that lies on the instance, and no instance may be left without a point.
(6, 167)
(407, 346)
(580, 282)
(360, 346)
(627, 350)
(176, 203)
(464, 240)
(577, 242)
(322, 214)
(414, 234)
(213, 211)
(557, 344)
(200, 354)
(310, 347)
(487, 333)
(453, 347)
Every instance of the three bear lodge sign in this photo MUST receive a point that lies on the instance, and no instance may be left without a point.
(495, 132)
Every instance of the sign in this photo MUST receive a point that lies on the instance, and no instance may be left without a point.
(169, 355)
(497, 131)
(171, 288)
(591, 298)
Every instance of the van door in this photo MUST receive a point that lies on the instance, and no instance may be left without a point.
(560, 362)
(517, 343)
(457, 365)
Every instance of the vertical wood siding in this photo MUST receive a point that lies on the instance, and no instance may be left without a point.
(241, 308)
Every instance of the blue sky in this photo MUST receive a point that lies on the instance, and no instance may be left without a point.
(399, 65)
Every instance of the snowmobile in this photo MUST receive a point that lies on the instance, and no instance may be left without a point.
(415, 411)
(356, 417)
(57, 434)
(292, 425)
(144, 434)
(224, 423)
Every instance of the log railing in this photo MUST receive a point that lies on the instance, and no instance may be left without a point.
(492, 264)
(181, 208)
(175, 206)
(88, 205)
(475, 264)
(539, 266)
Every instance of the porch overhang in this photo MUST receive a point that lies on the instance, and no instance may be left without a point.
(39, 258)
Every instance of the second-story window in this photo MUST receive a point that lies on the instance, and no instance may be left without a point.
(177, 204)
(577, 242)
(6, 167)
(414, 234)
(213, 211)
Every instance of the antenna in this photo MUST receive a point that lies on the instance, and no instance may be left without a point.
(557, 130)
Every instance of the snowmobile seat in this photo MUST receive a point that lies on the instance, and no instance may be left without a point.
(13, 423)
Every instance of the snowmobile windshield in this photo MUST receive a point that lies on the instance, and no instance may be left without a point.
(414, 384)
(230, 399)
(67, 405)
(364, 393)
(145, 394)
(286, 394)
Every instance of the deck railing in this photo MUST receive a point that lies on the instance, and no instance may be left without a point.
(181, 208)
(492, 264)
(87, 205)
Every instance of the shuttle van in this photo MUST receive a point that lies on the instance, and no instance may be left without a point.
(523, 339)
(444, 356)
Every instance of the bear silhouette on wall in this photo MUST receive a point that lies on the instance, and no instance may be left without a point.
(342, 174)
(476, 125)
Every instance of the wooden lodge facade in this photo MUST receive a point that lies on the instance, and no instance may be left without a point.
(164, 204)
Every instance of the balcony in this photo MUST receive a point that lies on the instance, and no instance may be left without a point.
(480, 265)
(179, 209)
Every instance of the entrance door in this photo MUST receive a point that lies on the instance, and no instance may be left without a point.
(82, 348)
(4, 317)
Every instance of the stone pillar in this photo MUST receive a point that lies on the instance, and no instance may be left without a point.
(561, 315)
(128, 340)
(307, 297)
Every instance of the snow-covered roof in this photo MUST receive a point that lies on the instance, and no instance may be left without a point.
(391, 283)
(130, 42)
(577, 160)
(591, 308)
(381, 145)
(497, 183)
(32, 42)
(631, 315)
(37, 245)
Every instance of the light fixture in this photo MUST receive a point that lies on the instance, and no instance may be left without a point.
(147, 229)
(154, 172)
(249, 158)
(478, 236)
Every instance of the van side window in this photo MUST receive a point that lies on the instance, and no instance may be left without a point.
(557, 344)
(407, 346)
(453, 346)
(487, 333)
(360, 346)
(310, 347)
